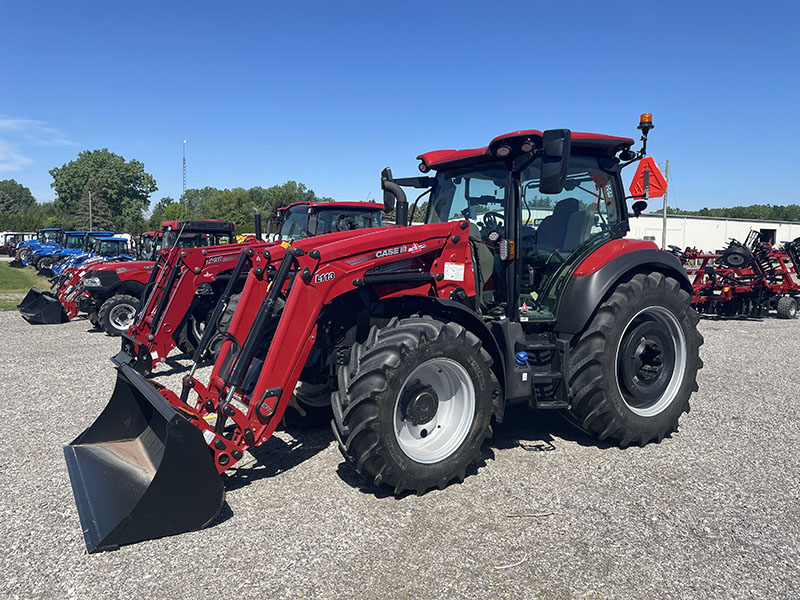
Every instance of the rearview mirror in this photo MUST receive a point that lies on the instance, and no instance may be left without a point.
(556, 146)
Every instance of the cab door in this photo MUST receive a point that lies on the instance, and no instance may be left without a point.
(558, 230)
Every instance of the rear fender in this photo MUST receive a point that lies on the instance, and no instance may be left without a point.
(592, 283)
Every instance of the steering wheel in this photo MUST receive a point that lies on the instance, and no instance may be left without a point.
(493, 220)
(344, 223)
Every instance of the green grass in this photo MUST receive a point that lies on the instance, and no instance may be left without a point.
(15, 283)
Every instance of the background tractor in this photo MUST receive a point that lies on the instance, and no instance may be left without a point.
(519, 288)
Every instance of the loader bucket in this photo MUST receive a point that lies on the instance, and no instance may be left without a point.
(42, 308)
(141, 471)
(16, 264)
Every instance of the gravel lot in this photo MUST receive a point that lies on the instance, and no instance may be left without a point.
(712, 512)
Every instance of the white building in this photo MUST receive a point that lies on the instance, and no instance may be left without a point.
(708, 233)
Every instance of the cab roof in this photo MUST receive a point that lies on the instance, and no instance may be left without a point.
(201, 226)
(588, 143)
(112, 239)
(337, 205)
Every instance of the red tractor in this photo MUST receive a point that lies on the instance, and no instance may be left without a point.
(113, 292)
(519, 289)
(191, 282)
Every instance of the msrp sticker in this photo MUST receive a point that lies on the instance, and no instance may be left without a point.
(454, 271)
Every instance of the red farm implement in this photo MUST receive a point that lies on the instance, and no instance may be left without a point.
(747, 279)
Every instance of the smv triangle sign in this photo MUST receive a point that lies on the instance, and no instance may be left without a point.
(658, 184)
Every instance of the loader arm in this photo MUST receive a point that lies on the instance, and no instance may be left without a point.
(153, 335)
(309, 277)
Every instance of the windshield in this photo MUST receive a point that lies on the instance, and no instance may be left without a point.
(295, 223)
(330, 219)
(148, 246)
(50, 237)
(195, 240)
(74, 242)
(476, 195)
(110, 247)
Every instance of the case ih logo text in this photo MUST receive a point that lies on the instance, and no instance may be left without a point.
(323, 277)
(391, 251)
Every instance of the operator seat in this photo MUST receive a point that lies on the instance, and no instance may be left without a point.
(553, 230)
(578, 227)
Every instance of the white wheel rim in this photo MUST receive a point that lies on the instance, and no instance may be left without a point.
(440, 437)
(121, 316)
(667, 319)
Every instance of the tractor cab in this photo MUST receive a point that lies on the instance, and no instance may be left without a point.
(537, 204)
(304, 219)
(50, 235)
(73, 240)
(110, 246)
(198, 234)
(10, 241)
(91, 238)
(148, 244)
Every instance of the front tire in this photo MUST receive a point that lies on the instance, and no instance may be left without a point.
(117, 313)
(414, 404)
(633, 369)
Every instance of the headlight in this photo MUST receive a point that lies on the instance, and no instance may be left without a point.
(91, 281)
(204, 289)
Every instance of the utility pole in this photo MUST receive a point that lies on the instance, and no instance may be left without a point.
(183, 194)
(664, 227)
(90, 211)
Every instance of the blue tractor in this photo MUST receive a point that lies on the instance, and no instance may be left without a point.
(104, 248)
(47, 237)
(73, 243)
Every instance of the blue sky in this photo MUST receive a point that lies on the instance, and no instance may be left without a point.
(330, 93)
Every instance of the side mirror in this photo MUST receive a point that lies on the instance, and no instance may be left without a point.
(392, 193)
(639, 207)
(556, 146)
(388, 196)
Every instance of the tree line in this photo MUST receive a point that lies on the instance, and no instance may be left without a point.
(754, 212)
(114, 194)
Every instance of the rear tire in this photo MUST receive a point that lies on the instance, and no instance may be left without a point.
(787, 308)
(185, 341)
(632, 371)
(117, 313)
(310, 406)
(414, 404)
(215, 345)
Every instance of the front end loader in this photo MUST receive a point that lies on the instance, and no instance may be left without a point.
(188, 286)
(520, 288)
